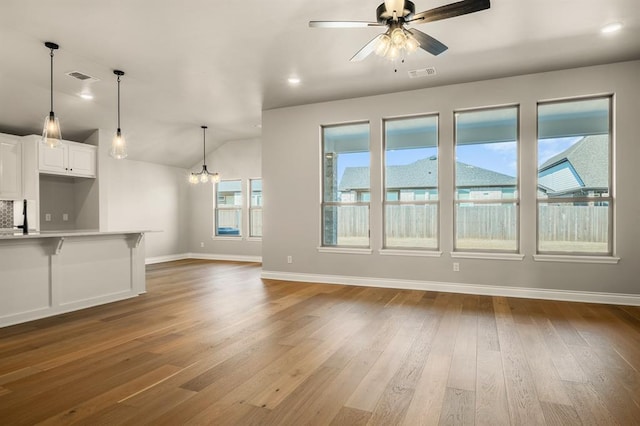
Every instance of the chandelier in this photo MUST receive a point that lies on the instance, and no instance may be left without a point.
(204, 175)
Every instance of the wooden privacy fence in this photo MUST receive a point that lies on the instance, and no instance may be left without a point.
(574, 223)
(557, 222)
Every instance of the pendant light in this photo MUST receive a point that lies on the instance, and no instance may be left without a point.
(204, 175)
(118, 144)
(51, 135)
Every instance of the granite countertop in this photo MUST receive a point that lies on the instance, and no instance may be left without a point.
(17, 234)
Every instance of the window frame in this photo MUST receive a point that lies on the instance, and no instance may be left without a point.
(399, 202)
(217, 208)
(253, 208)
(610, 170)
(323, 204)
(515, 201)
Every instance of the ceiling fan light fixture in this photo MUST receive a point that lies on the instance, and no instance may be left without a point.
(383, 45)
(411, 45)
(398, 37)
(393, 53)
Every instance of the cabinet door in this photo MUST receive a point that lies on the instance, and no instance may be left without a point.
(53, 160)
(10, 168)
(82, 160)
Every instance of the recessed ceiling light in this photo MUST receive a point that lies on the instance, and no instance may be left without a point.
(294, 80)
(87, 96)
(611, 28)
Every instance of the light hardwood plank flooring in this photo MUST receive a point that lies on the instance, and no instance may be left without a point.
(212, 343)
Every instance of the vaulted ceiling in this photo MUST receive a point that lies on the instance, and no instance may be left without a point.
(220, 63)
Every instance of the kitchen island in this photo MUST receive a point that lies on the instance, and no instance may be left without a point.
(48, 273)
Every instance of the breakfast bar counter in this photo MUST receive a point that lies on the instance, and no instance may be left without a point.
(48, 273)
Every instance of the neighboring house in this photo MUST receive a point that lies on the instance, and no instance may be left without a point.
(418, 181)
(581, 170)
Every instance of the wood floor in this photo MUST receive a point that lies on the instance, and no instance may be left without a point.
(210, 343)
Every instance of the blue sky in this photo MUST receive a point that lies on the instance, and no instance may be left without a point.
(499, 157)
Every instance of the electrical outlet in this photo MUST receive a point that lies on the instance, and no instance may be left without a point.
(201, 244)
(47, 217)
(456, 267)
(289, 259)
(65, 217)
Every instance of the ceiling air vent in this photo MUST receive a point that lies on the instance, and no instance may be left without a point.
(423, 72)
(82, 76)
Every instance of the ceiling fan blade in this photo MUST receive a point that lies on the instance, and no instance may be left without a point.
(343, 24)
(367, 50)
(451, 10)
(428, 43)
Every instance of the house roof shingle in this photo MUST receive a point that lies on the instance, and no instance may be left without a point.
(423, 174)
(589, 157)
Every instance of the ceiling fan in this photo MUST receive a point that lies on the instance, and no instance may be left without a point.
(395, 14)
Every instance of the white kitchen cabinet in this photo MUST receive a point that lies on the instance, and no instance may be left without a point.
(10, 167)
(69, 159)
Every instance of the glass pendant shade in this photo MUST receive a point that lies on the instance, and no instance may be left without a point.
(383, 45)
(397, 37)
(411, 45)
(51, 133)
(118, 146)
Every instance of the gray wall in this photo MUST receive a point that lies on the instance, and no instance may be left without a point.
(146, 196)
(239, 159)
(291, 172)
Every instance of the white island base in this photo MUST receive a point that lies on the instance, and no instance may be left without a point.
(46, 274)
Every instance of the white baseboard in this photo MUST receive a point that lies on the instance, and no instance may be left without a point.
(203, 256)
(484, 290)
(229, 257)
(169, 258)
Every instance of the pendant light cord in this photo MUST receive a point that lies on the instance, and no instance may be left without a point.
(204, 147)
(118, 102)
(51, 54)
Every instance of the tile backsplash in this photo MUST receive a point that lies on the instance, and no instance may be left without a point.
(6, 214)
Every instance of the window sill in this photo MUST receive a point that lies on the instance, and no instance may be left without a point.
(610, 260)
(417, 253)
(344, 250)
(219, 238)
(491, 256)
(258, 239)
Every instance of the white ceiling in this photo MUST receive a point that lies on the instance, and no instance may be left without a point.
(195, 62)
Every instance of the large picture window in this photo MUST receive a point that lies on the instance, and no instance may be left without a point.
(255, 208)
(229, 208)
(574, 177)
(486, 179)
(411, 183)
(345, 185)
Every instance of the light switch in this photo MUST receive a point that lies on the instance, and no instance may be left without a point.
(47, 217)
(65, 217)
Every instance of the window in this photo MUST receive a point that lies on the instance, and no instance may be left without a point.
(574, 177)
(411, 183)
(345, 185)
(255, 208)
(486, 180)
(229, 208)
